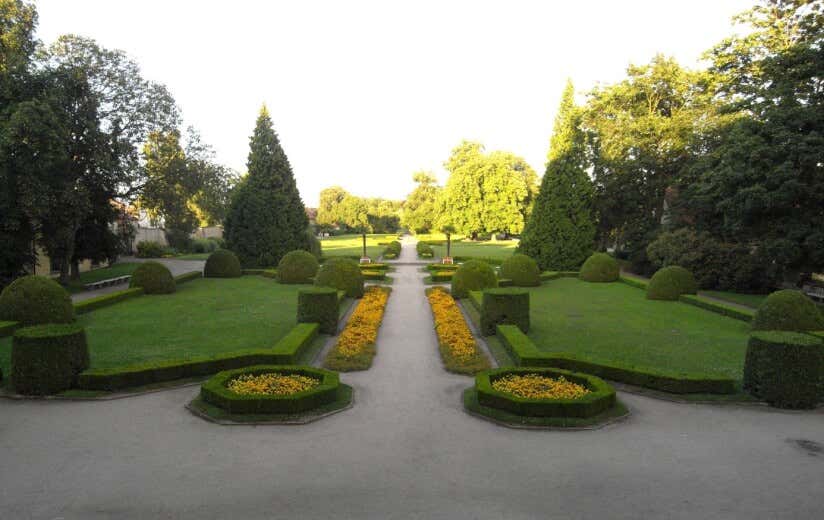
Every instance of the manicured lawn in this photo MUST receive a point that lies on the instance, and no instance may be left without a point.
(103, 273)
(204, 317)
(750, 300)
(615, 322)
(495, 250)
(352, 245)
(193, 256)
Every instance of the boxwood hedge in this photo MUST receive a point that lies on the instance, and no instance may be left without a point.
(46, 359)
(36, 300)
(788, 310)
(297, 267)
(522, 270)
(504, 307)
(153, 278)
(786, 369)
(222, 264)
(342, 274)
(319, 305)
(473, 275)
(668, 283)
(600, 267)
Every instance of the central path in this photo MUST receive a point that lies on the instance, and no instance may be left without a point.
(405, 450)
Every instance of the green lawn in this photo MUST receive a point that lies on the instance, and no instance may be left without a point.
(204, 317)
(103, 273)
(614, 322)
(352, 245)
(493, 250)
(193, 256)
(750, 300)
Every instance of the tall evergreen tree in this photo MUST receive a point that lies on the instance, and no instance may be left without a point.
(560, 232)
(267, 218)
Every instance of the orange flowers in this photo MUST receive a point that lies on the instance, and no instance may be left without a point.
(536, 386)
(271, 383)
(458, 347)
(356, 344)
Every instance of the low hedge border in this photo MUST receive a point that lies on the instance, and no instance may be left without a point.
(374, 266)
(99, 302)
(717, 307)
(554, 275)
(7, 328)
(476, 298)
(266, 273)
(525, 353)
(373, 275)
(634, 282)
(441, 276)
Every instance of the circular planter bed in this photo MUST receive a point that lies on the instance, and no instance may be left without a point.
(543, 398)
(271, 394)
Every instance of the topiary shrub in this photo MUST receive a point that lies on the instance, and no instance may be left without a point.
(788, 310)
(222, 264)
(600, 267)
(297, 267)
(786, 369)
(342, 274)
(504, 307)
(319, 305)
(472, 275)
(154, 278)
(46, 359)
(670, 283)
(522, 270)
(35, 300)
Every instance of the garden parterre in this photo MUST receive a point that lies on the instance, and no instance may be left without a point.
(459, 350)
(355, 347)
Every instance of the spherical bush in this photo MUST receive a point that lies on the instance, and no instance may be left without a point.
(600, 267)
(222, 264)
(342, 274)
(473, 275)
(522, 270)
(154, 278)
(671, 282)
(46, 359)
(788, 310)
(35, 300)
(297, 267)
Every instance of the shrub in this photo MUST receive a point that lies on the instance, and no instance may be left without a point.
(669, 283)
(222, 264)
(319, 305)
(36, 300)
(342, 274)
(424, 250)
(504, 307)
(600, 267)
(149, 249)
(786, 369)
(46, 359)
(473, 275)
(105, 300)
(204, 245)
(522, 270)
(788, 310)
(313, 245)
(154, 278)
(393, 250)
(297, 267)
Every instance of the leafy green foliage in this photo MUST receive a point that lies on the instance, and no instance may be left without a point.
(788, 310)
(297, 267)
(342, 274)
(149, 249)
(319, 305)
(36, 300)
(153, 278)
(46, 359)
(522, 270)
(786, 369)
(222, 264)
(504, 307)
(600, 267)
(419, 209)
(670, 282)
(473, 275)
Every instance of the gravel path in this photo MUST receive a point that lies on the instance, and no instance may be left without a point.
(406, 450)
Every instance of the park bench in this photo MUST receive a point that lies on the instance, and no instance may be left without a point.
(816, 292)
(107, 282)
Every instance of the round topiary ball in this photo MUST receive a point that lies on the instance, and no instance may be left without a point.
(669, 283)
(788, 310)
(522, 270)
(222, 264)
(297, 267)
(154, 278)
(36, 300)
(473, 275)
(342, 274)
(600, 267)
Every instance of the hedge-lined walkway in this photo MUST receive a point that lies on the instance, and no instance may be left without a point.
(177, 267)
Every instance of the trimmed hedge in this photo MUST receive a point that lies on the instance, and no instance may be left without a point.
(297, 267)
(154, 278)
(7, 328)
(525, 353)
(215, 391)
(36, 300)
(554, 275)
(319, 305)
(441, 267)
(473, 275)
(222, 264)
(149, 249)
(522, 270)
(99, 302)
(788, 310)
(600, 267)
(441, 276)
(374, 266)
(670, 282)
(46, 359)
(504, 307)
(601, 396)
(342, 274)
(638, 283)
(424, 250)
(476, 298)
(188, 277)
(373, 275)
(717, 307)
(393, 250)
(786, 369)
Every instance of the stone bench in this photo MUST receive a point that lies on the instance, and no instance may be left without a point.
(107, 282)
(814, 291)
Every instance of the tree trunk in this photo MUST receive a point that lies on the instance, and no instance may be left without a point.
(75, 270)
(364, 245)
(448, 245)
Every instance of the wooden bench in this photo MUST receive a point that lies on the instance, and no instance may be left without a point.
(815, 292)
(107, 282)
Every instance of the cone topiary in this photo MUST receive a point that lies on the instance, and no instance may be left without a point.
(671, 282)
(472, 275)
(35, 300)
(600, 267)
(342, 274)
(297, 267)
(154, 278)
(522, 270)
(788, 310)
(222, 264)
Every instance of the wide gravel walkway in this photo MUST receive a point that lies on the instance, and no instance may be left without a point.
(406, 450)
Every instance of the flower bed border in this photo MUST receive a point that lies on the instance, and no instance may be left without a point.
(452, 363)
(362, 361)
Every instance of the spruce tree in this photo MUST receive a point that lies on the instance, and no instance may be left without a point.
(267, 218)
(560, 232)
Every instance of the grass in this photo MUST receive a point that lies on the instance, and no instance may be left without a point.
(492, 250)
(193, 256)
(749, 300)
(104, 273)
(613, 322)
(352, 245)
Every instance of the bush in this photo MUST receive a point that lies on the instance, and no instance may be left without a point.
(522, 270)
(669, 283)
(788, 310)
(342, 274)
(222, 264)
(36, 300)
(204, 245)
(600, 267)
(297, 267)
(154, 278)
(393, 250)
(786, 369)
(313, 245)
(149, 249)
(424, 250)
(473, 275)
(319, 305)
(504, 307)
(46, 359)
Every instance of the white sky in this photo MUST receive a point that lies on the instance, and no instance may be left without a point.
(364, 93)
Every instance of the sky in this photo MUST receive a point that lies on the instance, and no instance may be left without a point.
(364, 93)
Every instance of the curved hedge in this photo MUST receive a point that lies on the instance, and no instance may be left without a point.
(297, 267)
(600, 267)
(153, 278)
(669, 283)
(46, 359)
(522, 270)
(472, 275)
(788, 310)
(786, 369)
(342, 274)
(36, 300)
(222, 264)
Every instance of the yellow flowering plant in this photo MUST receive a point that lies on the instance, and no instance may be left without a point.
(271, 383)
(536, 386)
(355, 347)
(459, 350)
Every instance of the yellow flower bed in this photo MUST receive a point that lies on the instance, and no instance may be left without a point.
(536, 386)
(458, 346)
(361, 331)
(271, 383)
